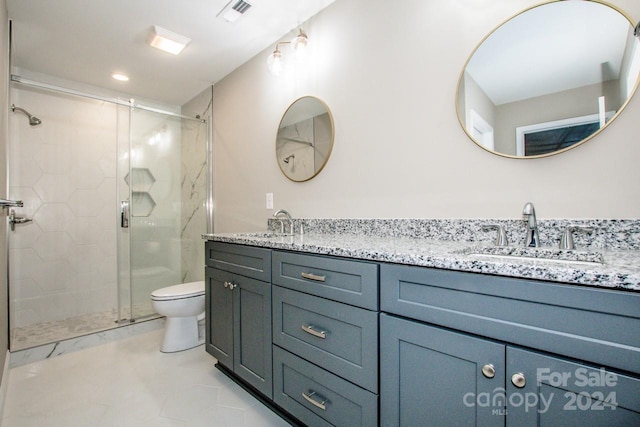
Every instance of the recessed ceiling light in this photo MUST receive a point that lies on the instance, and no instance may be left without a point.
(120, 77)
(168, 41)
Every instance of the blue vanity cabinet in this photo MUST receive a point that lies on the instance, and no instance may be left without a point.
(238, 311)
(548, 390)
(431, 376)
(469, 349)
(325, 336)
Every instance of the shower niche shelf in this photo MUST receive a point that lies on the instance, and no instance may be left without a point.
(142, 203)
(141, 179)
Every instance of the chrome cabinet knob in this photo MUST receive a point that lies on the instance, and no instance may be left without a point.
(489, 370)
(229, 285)
(518, 380)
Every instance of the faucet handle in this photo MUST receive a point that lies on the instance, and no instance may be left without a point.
(501, 236)
(566, 240)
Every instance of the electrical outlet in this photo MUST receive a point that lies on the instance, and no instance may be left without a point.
(269, 200)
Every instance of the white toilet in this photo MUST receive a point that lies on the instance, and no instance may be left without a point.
(183, 306)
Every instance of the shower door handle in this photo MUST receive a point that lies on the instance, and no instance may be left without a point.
(124, 214)
(13, 219)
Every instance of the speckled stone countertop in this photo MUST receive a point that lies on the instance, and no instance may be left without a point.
(460, 245)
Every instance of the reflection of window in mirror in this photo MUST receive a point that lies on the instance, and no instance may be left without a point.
(549, 137)
(480, 130)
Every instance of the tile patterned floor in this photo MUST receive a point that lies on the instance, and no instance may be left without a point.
(129, 383)
(58, 330)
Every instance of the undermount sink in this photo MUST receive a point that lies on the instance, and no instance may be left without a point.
(263, 235)
(539, 253)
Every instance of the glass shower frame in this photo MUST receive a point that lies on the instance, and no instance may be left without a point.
(133, 303)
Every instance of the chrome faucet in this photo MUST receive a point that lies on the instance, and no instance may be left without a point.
(287, 215)
(529, 215)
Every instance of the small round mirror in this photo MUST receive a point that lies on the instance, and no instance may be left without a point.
(549, 79)
(305, 139)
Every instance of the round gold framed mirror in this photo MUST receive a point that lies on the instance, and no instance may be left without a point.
(549, 79)
(305, 139)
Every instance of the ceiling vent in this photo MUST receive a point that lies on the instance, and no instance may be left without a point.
(234, 10)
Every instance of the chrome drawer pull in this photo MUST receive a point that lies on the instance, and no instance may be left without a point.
(311, 330)
(308, 397)
(312, 276)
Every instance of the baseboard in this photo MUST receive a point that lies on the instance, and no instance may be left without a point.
(4, 385)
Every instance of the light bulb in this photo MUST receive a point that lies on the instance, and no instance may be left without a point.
(299, 44)
(274, 62)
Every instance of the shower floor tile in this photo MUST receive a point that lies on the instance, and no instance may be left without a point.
(57, 330)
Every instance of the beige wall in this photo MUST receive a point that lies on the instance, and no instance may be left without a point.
(389, 75)
(4, 103)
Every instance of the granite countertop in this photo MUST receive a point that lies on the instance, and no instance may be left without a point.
(620, 270)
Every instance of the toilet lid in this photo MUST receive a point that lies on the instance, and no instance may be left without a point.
(184, 290)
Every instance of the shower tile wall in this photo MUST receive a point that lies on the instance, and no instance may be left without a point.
(64, 263)
(194, 187)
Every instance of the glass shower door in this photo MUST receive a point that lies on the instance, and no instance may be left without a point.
(153, 184)
(63, 262)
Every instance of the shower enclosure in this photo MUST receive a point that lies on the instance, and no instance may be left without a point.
(114, 207)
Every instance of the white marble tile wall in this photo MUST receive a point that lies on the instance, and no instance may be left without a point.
(194, 187)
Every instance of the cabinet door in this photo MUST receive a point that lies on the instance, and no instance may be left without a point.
(557, 392)
(434, 377)
(219, 316)
(252, 357)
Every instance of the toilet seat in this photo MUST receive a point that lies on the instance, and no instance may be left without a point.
(182, 291)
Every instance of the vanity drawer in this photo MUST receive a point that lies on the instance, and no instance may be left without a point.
(348, 281)
(341, 338)
(245, 260)
(596, 325)
(319, 398)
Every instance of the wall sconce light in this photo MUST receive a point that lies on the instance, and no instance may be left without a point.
(298, 46)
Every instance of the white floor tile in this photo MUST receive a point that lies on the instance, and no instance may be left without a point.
(129, 382)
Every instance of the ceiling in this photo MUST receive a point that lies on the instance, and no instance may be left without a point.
(548, 49)
(86, 41)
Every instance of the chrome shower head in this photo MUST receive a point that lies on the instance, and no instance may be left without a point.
(286, 159)
(33, 120)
